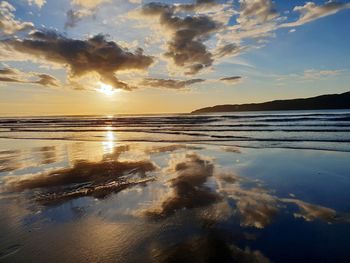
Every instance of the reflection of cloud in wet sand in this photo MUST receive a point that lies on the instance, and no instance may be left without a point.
(255, 206)
(202, 234)
(188, 190)
(231, 149)
(310, 212)
(48, 154)
(85, 178)
(211, 247)
(171, 148)
(8, 161)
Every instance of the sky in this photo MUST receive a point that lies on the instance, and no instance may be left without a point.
(91, 57)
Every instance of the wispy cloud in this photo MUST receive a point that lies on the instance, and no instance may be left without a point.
(17, 76)
(310, 75)
(311, 11)
(169, 83)
(232, 80)
(314, 74)
(38, 3)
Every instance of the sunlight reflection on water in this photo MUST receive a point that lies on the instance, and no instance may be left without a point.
(110, 141)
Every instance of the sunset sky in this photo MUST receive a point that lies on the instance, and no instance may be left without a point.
(133, 56)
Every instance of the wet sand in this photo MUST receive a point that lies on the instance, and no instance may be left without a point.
(143, 202)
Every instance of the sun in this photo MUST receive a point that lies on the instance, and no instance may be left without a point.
(106, 89)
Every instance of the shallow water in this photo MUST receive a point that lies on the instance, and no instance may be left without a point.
(206, 188)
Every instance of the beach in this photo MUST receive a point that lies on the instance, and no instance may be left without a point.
(230, 187)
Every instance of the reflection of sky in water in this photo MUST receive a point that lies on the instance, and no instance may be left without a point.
(145, 202)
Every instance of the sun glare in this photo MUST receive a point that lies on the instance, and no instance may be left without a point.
(106, 89)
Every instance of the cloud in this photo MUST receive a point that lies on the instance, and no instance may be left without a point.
(8, 71)
(82, 9)
(38, 3)
(185, 48)
(15, 75)
(199, 5)
(313, 74)
(74, 16)
(135, 1)
(257, 19)
(169, 83)
(255, 12)
(232, 80)
(89, 4)
(8, 24)
(47, 80)
(228, 50)
(310, 75)
(310, 12)
(82, 57)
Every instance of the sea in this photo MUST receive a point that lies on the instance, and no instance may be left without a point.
(219, 187)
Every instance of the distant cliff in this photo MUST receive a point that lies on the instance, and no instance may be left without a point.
(323, 102)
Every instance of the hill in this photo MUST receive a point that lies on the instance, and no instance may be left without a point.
(323, 102)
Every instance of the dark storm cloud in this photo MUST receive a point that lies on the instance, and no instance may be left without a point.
(82, 57)
(186, 47)
(14, 75)
(169, 83)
